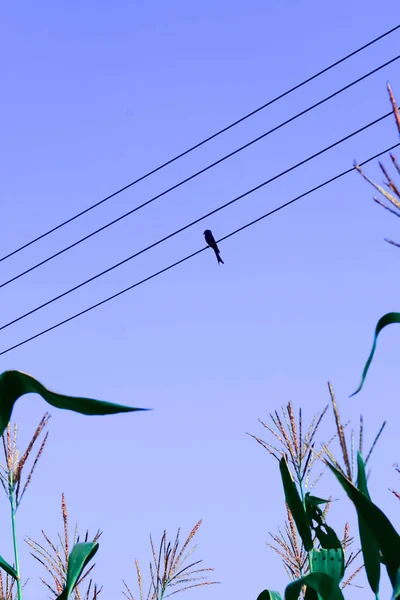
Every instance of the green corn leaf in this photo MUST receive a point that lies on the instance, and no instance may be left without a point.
(369, 544)
(380, 527)
(269, 595)
(327, 537)
(311, 594)
(295, 504)
(323, 584)
(396, 587)
(14, 384)
(325, 534)
(388, 319)
(330, 562)
(314, 500)
(313, 511)
(8, 568)
(80, 555)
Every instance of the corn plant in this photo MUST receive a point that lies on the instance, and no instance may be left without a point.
(68, 567)
(54, 557)
(15, 485)
(13, 385)
(317, 561)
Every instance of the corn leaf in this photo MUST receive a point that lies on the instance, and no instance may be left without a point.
(78, 559)
(325, 534)
(269, 595)
(14, 384)
(8, 568)
(327, 537)
(369, 544)
(311, 594)
(295, 505)
(323, 584)
(329, 561)
(380, 527)
(396, 587)
(388, 319)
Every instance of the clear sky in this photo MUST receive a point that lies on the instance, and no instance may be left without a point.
(95, 94)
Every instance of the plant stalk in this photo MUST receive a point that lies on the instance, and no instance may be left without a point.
(14, 535)
(163, 590)
(303, 500)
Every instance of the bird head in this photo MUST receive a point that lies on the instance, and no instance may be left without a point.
(207, 231)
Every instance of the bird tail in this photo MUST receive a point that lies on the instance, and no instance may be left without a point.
(219, 259)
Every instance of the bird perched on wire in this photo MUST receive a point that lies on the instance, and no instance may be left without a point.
(213, 244)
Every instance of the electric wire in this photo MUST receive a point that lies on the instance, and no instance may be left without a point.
(201, 143)
(188, 257)
(198, 220)
(196, 174)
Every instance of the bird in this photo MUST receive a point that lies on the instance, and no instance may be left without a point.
(213, 244)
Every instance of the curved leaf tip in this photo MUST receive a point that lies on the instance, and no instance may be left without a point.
(81, 554)
(388, 319)
(14, 384)
(269, 595)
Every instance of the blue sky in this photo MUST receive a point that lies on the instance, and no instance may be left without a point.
(94, 95)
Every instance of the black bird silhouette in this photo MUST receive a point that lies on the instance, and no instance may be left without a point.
(213, 244)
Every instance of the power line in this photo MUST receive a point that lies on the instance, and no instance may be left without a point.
(198, 220)
(199, 144)
(175, 264)
(196, 174)
(327, 182)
